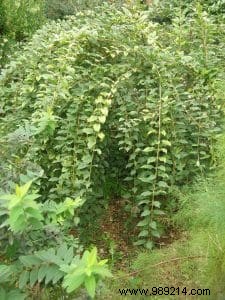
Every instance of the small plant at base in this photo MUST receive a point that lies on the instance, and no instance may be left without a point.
(22, 216)
(86, 271)
(22, 210)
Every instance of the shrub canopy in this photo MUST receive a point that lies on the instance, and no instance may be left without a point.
(110, 94)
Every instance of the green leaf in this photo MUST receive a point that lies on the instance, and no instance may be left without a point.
(11, 198)
(158, 212)
(101, 136)
(148, 179)
(145, 213)
(162, 158)
(88, 130)
(143, 222)
(16, 295)
(155, 233)
(162, 184)
(139, 243)
(57, 276)
(42, 272)
(15, 213)
(153, 225)
(97, 127)
(34, 213)
(47, 256)
(92, 258)
(146, 194)
(151, 159)
(102, 119)
(51, 273)
(149, 245)
(167, 143)
(21, 191)
(23, 279)
(33, 276)
(32, 197)
(143, 233)
(90, 285)
(149, 149)
(156, 204)
(91, 141)
(5, 273)
(15, 200)
(78, 202)
(72, 281)
(19, 225)
(69, 255)
(102, 262)
(36, 224)
(104, 111)
(62, 250)
(101, 270)
(29, 260)
(146, 201)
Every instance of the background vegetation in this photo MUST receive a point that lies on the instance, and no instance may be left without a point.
(111, 109)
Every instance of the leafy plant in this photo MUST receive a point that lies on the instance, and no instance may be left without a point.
(86, 271)
(23, 216)
(22, 210)
(77, 90)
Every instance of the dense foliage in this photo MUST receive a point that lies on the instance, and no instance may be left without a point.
(103, 87)
(103, 103)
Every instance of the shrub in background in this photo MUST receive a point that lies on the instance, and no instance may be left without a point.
(56, 9)
(19, 19)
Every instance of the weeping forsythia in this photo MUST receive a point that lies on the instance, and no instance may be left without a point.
(105, 93)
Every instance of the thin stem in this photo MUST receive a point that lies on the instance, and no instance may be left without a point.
(159, 139)
(161, 264)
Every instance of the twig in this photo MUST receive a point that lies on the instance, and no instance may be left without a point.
(159, 264)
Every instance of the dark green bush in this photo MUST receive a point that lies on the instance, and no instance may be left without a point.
(19, 19)
(166, 10)
(56, 9)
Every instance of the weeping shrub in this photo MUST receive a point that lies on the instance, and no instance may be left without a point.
(107, 86)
